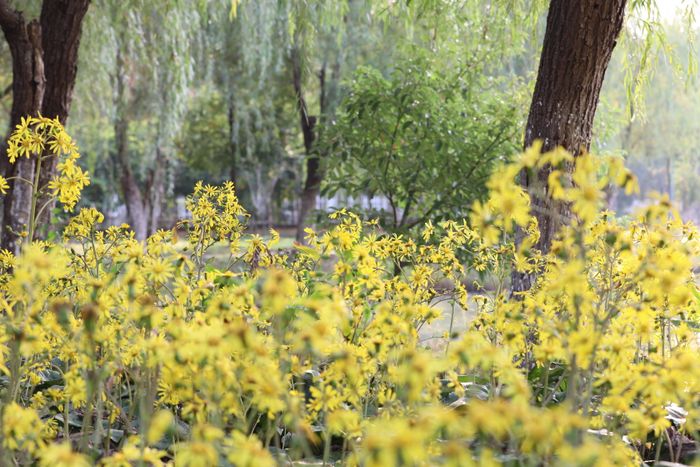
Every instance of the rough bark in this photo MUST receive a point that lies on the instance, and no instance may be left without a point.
(61, 27)
(44, 64)
(312, 184)
(28, 86)
(578, 43)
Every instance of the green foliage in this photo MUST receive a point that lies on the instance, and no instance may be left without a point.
(205, 142)
(185, 58)
(425, 138)
(244, 138)
(659, 141)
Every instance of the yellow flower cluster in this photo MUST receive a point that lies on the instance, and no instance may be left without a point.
(45, 138)
(122, 353)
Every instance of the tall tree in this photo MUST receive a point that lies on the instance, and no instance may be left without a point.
(44, 65)
(312, 183)
(61, 29)
(578, 43)
(142, 65)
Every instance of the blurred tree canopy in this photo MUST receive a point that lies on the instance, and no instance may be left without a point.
(168, 93)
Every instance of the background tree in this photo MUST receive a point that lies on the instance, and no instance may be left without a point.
(262, 64)
(577, 47)
(147, 67)
(329, 20)
(659, 139)
(436, 28)
(424, 139)
(44, 55)
(251, 72)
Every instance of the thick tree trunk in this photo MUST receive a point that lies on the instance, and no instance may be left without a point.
(312, 183)
(61, 28)
(28, 86)
(44, 56)
(578, 44)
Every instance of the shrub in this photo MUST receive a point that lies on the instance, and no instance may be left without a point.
(128, 353)
(425, 138)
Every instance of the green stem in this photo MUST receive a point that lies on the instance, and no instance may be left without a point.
(66, 412)
(35, 191)
(15, 367)
(571, 390)
(97, 433)
(546, 383)
(452, 321)
(43, 207)
(88, 414)
(326, 447)
(659, 443)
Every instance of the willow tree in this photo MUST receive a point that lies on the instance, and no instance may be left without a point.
(660, 144)
(141, 56)
(268, 45)
(272, 51)
(273, 65)
(44, 54)
(318, 48)
(577, 47)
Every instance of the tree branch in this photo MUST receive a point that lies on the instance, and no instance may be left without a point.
(6, 91)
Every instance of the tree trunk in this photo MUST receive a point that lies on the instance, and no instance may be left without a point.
(28, 86)
(61, 28)
(155, 191)
(233, 169)
(312, 183)
(578, 44)
(44, 65)
(135, 206)
(312, 186)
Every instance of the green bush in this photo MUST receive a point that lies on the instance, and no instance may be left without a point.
(425, 138)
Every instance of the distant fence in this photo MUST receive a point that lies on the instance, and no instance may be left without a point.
(286, 216)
